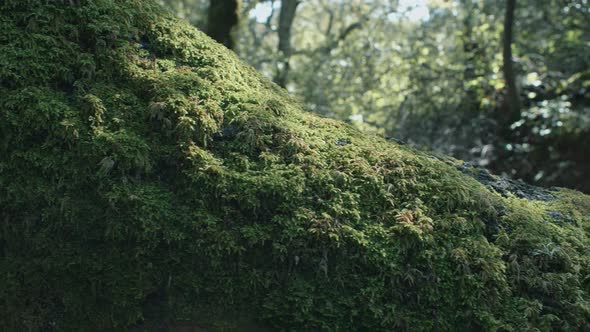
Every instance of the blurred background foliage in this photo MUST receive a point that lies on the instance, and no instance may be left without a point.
(431, 73)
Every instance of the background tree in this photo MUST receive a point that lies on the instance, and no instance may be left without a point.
(223, 16)
(512, 97)
(286, 17)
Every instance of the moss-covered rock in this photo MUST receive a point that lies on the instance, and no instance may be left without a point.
(148, 176)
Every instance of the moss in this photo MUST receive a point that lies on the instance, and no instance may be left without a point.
(148, 176)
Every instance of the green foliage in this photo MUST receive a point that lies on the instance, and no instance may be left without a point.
(147, 175)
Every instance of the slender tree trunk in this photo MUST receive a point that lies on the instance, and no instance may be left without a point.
(286, 17)
(223, 17)
(512, 98)
(509, 110)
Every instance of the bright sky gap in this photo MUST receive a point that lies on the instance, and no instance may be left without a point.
(414, 10)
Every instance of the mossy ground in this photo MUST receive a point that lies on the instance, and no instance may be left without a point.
(147, 175)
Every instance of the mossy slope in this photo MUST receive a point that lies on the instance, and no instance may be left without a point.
(146, 174)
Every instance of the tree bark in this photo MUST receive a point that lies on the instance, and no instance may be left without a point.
(222, 18)
(512, 99)
(286, 17)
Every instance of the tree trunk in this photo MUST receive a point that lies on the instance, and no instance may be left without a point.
(222, 18)
(286, 17)
(512, 99)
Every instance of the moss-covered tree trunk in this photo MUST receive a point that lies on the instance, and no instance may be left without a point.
(147, 175)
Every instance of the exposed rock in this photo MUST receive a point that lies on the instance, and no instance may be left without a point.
(505, 186)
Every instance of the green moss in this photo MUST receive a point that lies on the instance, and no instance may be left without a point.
(147, 175)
